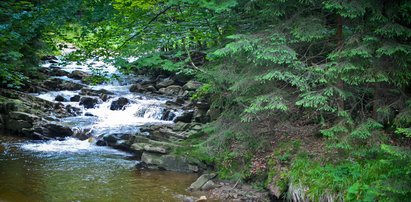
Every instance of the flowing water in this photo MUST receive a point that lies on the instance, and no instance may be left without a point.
(75, 170)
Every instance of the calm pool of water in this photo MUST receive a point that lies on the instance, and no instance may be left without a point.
(74, 170)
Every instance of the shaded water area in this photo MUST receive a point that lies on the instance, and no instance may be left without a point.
(60, 171)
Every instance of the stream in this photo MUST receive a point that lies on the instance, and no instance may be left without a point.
(78, 170)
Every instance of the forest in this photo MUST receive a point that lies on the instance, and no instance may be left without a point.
(308, 100)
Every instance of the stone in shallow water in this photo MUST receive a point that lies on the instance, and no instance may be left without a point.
(168, 162)
(202, 181)
(88, 102)
(60, 98)
(75, 98)
(55, 130)
(119, 104)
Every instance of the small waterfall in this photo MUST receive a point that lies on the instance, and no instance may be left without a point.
(99, 120)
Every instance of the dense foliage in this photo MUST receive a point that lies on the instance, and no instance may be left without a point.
(273, 68)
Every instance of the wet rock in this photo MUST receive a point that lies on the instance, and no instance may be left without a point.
(137, 88)
(88, 114)
(88, 102)
(164, 83)
(171, 90)
(38, 136)
(192, 85)
(79, 75)
(185, 117)
(75, 98)
(116, 140)
(119, 104)
(201, 181)
(73, 110)
(168, 115)
(60, 98)
(83, 133)
(55, 130)
(168, 162)
(104, 97)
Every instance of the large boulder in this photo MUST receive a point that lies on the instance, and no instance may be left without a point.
(119, 104)
(168, 162)
(88, 102)
(192, 85)
(172, 90)
(56, 130)
(116, 140)
(23, 116)
(18, 121)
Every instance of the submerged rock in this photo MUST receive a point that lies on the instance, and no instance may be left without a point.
(168, 162)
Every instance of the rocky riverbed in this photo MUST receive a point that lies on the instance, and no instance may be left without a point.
(147, 116)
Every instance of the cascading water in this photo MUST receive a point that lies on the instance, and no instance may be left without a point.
(101, 119)
(78, 170)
